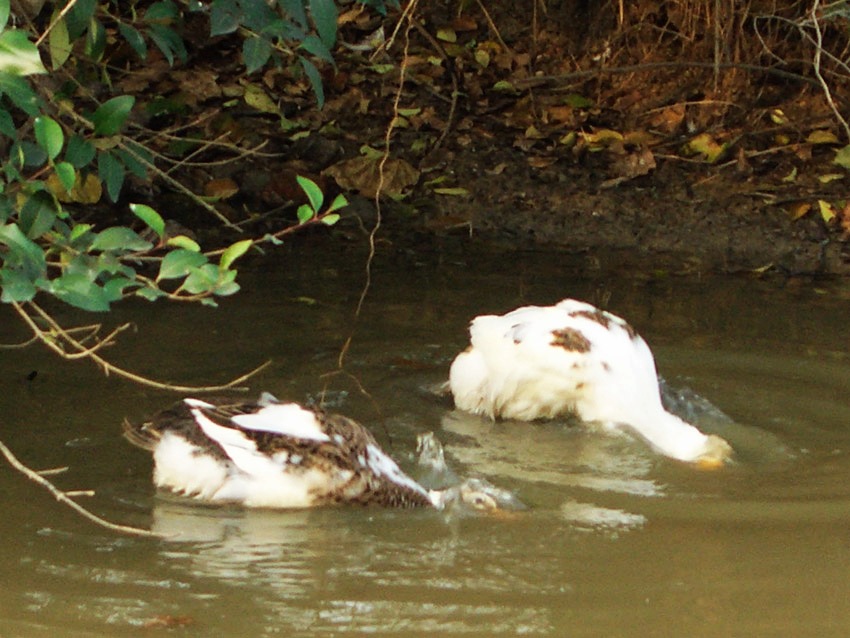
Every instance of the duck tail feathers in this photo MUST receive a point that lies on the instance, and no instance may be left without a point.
(141, 435)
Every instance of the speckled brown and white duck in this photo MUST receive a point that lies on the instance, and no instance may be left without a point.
(269, 453)
(573, 358)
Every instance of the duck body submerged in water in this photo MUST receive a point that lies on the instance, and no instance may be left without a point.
(541, 362)
(283, 455)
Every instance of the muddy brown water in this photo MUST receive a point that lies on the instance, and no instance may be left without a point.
(616, 541)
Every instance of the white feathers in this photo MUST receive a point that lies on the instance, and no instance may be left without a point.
(571, 358)
(289, 419)
(273, 454)
(383, 465)
(186, 469)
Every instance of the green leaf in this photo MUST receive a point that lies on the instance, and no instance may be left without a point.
(16, 286)
(313, 192)
(110, 263)
(256, 14)
(78, 231)
(80, 291)
(315, 78)
(111, 172)
(19, 56)
(109, 118)
(66, 174)
(202, 279)
(79, 151)
(80, 16)
(95, 43)
(164, 11)
(4, 13)
(152, 218)
(256, 52)
(330, 220)
(7, 124)
(120, 238)
(168, 42)
(37, 214)
(22, 251)
(295, 10)
(59, 42)
(31, 154)
(842, 157)
(114, 288)
(18, 90)
(227, 288)
(225, 17)
(317, 47)
(135, 39)
(305, 214)
(234, 252)
(179, 262)
(325, 15)
(132, 164)
(339, 202)
(283, 30)
(151, 294)
(49, 135)
(186, 243)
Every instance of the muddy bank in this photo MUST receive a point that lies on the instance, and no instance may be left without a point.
(676, 217)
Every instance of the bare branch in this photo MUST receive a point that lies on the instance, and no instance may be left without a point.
(816, 66)
(58, 339)
(65, 498)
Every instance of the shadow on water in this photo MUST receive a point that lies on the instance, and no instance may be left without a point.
(616, 540)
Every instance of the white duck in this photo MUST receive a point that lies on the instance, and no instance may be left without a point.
(283, 455)
(573, 358)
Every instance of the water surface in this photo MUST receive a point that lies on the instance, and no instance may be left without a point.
(616, 541)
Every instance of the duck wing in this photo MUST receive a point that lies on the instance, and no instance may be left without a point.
(287, 437)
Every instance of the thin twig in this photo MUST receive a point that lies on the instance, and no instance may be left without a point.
(538, 80)
(18, 346)
(55, 21)
(179, 186)
(495, 30)
(58, 336)
(441, 50)
(816, 67)
(63, 497)
(407, 15)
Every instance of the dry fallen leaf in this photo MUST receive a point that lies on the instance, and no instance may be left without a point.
(799, 211)
(634, 164)
(256, 98)
(706, 146)
(669, 119)
(827, 210)
(87, 191)
(600, 138)
(822, 136)
(537, 161)
(200, 84)
(562, 114)
(222, 188)
(361, 174)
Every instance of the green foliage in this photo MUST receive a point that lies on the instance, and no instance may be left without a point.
(316, 198)
(64, 151)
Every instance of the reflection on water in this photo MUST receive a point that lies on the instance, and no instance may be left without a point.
(616, 541)
(341, 571)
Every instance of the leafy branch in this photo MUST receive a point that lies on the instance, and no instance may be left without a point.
(63, 159)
